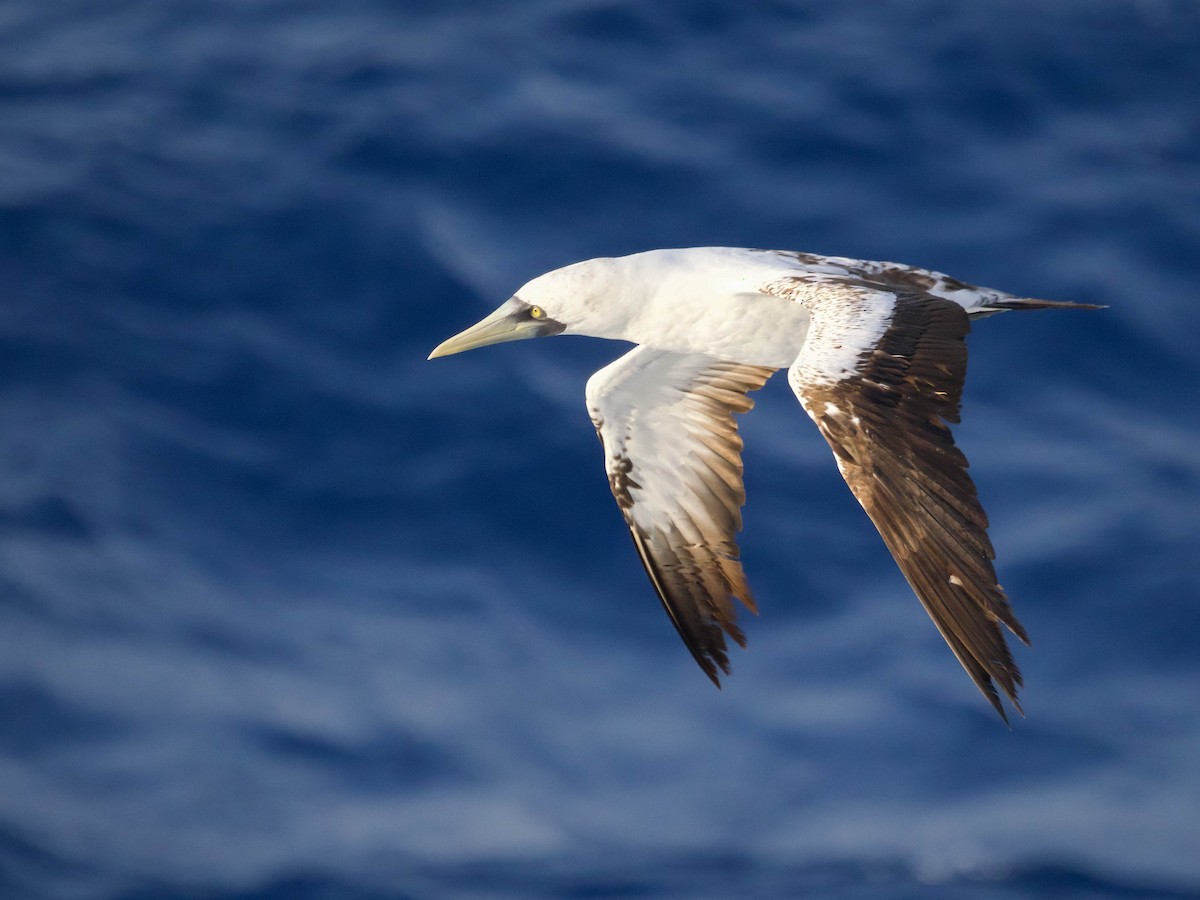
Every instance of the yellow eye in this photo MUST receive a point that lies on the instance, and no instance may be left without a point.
(536, 312)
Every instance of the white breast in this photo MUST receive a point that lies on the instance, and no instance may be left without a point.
(716, 309)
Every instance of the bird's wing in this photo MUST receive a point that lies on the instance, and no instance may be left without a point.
(674, 464)
(881, 374)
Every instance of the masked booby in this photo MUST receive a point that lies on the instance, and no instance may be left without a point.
(875, 354)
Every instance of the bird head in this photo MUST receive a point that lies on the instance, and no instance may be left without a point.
(570, 299)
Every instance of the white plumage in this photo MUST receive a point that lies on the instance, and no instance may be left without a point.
(876, 357)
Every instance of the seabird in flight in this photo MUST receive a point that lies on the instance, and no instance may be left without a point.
(875, 354)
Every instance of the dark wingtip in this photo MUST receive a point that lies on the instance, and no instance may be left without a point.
(988, 688)
(711, 671)
(993, 696)
(1004, 716)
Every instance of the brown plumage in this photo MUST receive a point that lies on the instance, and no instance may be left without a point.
(891, 441)
(875, 353)
(692, 557)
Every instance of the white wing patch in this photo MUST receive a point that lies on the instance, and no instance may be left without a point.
(673, 458)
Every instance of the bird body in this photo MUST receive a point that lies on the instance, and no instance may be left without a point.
(875, 355)
(679, 300)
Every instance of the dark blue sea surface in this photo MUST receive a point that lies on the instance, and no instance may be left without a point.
(287, 611)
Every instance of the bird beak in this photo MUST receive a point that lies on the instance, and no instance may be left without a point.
(510, 322)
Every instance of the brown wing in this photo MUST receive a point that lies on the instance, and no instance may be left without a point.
(673, 458)
(883, 407)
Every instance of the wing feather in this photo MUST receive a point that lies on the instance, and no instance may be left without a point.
(881, 374)
(673, 458)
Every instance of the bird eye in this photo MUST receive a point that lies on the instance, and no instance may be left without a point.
(536, 312)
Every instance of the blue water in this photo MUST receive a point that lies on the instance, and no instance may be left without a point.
(288, 612)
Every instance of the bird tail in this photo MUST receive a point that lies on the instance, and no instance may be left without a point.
(1002, 304)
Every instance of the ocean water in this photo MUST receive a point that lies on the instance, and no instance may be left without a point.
(287, 611)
